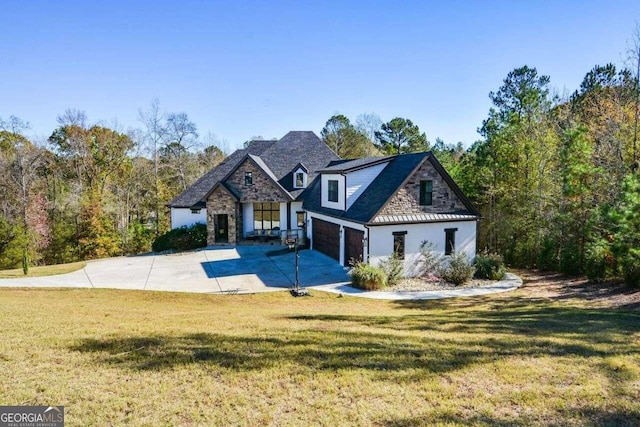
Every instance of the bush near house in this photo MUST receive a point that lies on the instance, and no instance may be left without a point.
(182, 239)
(368, 277)
(430, 261)
(393, 268)
(459, 270)
(490, 266)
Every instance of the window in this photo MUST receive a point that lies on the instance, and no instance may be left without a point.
(333, 190)
(299, 180)
(300, 218)
(449, 240)
(248, 178)
(398, 243)
(426, 193)
(266, 216)
(195, 211)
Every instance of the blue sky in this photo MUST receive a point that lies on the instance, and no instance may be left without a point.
(241, 69)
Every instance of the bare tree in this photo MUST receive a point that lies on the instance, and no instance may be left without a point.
(633, 63)
(155, 133)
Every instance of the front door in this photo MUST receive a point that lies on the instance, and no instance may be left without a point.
(222, 228)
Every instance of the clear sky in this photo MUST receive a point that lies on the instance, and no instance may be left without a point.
(241, 68)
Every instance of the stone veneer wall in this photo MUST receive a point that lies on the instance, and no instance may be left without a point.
(407, 199)
(262, 190)
(221, 202)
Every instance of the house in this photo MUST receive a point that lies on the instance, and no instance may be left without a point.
(255, 193)
(364, 209)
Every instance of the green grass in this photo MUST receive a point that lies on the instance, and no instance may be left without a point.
(45, 270)
(144, 358)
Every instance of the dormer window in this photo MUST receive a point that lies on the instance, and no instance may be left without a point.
(333, 190)
(299, 177)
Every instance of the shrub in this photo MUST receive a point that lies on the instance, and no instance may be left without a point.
(368, 277)
(393, 268)
(430, 262)
(599, 261)
(182, 239)
(570, 259)
(490, 266)
(631, 267)
(548, 256)
(459, 271)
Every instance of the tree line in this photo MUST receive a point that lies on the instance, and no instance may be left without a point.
(554, 177)
(90, 191)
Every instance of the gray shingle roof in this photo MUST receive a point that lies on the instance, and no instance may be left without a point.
(383, 187)
(279, 157)
(352, 165)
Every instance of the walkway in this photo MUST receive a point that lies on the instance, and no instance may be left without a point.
(509, 283)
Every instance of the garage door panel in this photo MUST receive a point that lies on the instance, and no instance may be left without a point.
(326, 238)
(353, 245)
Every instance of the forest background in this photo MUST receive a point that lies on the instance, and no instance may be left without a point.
(555, 177)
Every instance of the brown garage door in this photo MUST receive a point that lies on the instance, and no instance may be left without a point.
(326, 238)
(352, 245)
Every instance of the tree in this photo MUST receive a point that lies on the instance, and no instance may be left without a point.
(633, 63)
(22, 160)
(401, 136)
(154, 134)
(180, 138)
(344, 139)
(520, 153)
(368, 124)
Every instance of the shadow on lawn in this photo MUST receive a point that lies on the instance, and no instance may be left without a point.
(618, 418)
(466, 337)
(589, 326)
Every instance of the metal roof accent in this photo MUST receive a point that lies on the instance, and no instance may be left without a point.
(425, 217)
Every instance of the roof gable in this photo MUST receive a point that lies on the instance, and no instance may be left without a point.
(392, 179)
(265, 188)
(277, 159)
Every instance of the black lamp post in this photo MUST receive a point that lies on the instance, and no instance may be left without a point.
(297, 291)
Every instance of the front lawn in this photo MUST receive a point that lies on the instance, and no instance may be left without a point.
(149, 358)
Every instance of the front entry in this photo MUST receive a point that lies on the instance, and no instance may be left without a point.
(222, 228)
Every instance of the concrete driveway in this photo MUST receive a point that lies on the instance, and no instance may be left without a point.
(241, 269)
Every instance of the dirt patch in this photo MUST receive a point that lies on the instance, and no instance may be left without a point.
(556, 286)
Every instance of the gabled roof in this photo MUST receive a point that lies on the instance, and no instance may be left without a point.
(261, 165)
(279, 158)
(398, 170)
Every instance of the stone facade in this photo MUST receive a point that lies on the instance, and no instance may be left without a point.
(263, 188)
(407, 199)
(221, 202)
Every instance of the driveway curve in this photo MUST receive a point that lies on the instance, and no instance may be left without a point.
(232, 270)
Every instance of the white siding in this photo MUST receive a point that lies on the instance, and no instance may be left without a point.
(184, 216)
(359, 180)
(381, 241)
(340, 204)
